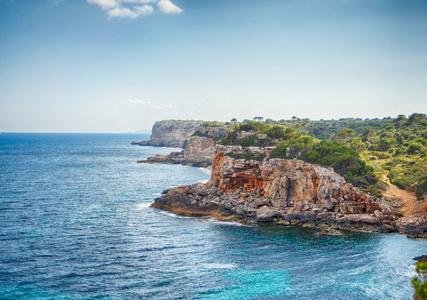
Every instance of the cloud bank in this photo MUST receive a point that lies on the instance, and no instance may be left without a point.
(135, 8)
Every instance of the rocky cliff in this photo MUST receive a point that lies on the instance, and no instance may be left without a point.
(198, 152)
(287, 192)
(214, 132)
(170, 133)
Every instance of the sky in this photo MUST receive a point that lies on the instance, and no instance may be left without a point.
(121, 65)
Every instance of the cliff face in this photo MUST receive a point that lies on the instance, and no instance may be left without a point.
(198, 152)
(214, 132)
(289, 182)
(172, 133)
(284, 191)
(196, 145)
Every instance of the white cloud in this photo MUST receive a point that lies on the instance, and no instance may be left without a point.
(137, 1)
(162, 107)
(122, 12)
(143, 10)
(129, 9)
(136, 101)
(168, 7)
(105, 4)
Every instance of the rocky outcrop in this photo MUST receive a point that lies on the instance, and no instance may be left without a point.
(175, 133)
(199, 152)
(214, 132)
(289, 192)
(196, 145)
(170, 133)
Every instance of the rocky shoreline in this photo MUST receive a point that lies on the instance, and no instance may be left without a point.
(199, 152)
(198, 142)
(287, 192)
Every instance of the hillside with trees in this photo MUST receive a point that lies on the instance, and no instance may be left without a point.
(362, 151)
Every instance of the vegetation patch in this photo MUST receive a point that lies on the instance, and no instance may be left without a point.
(212, 124)
(357, 149)
(248, 156)
(419, 282)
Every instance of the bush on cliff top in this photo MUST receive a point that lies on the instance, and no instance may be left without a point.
(398, 145)
(261, 135)
(292, 144)
(212, 124)
(198, 133)
(344, 160)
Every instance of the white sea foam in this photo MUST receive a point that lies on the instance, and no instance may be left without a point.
(219, 266)
(143, 205)
(203, 181)
(207, 170)
(169, 214)
(212, 220)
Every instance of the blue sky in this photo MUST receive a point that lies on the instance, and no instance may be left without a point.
(120, 65)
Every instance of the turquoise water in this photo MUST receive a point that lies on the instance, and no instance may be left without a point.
(75, 223)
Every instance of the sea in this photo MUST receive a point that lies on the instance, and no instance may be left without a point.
(76, 223)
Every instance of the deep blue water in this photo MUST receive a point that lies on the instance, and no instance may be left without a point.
(75, 223)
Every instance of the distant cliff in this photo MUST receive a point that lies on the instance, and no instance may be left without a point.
(198, 142)
(198, 152)
(248, 188)
(170, 133)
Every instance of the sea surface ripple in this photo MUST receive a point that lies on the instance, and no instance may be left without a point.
(76, 223)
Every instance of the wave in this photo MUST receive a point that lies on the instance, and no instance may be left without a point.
(218, 266)
(212, 220)
(143, 205)
(170, 214)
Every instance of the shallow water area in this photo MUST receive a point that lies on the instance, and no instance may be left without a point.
(76, 223)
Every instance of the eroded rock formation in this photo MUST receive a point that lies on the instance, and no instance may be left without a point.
(286, 192)
(214, 132)
(170, 133)
(199, 152)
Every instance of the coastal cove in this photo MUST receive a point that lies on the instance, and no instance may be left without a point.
(76, 224)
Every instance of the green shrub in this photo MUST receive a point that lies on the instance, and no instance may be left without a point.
(402, 183)
(212, 124)
(344, 160)
(198, 133)
(415, 147)
(373, 190)
(273, 134)
(382, 155)
(248, 156)
(420, 188)
(419, 283)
